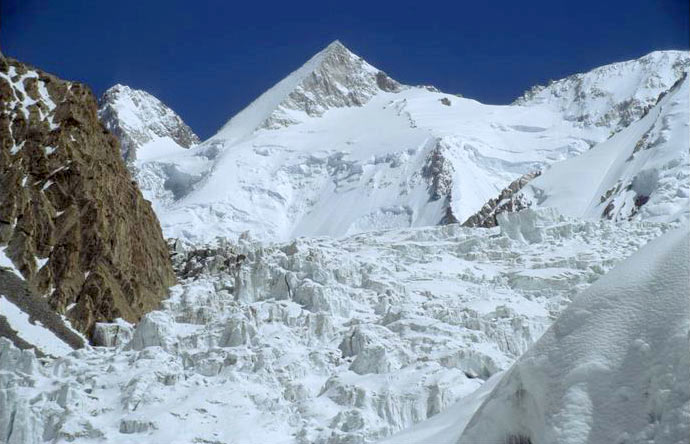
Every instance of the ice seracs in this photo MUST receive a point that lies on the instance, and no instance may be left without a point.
(321, 340)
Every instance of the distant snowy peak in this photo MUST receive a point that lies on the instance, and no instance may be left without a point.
(137, 118)
(613, 95)
(333, 78)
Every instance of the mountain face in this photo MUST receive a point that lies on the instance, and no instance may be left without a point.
(338, 148)
(136, 118)
(73, 224)
(333, 78)
(641, 172)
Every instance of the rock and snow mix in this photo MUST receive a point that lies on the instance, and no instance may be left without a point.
(317, 340)
(612, 96)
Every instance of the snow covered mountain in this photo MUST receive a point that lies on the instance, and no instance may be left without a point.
(137, 118)
(340, 304)
(338, 147)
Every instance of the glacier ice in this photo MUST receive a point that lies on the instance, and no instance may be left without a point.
(318, 339)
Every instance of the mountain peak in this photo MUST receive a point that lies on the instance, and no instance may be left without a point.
(137, 117)
(335, 77)
(336, 45)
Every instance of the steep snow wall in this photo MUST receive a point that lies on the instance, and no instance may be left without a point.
(615, 367)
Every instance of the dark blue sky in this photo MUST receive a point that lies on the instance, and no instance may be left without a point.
(207, 60)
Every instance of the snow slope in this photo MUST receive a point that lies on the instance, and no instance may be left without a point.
(317, 340)
(614, 367)
(642, 172)
(33, 333)
(338, 148)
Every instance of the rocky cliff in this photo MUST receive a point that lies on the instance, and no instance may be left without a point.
(71, 219)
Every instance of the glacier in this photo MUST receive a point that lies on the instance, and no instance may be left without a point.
(318, 340)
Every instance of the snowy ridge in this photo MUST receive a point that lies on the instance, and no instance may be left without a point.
(614, 95)
(318, 340)
(643, 172)
(137, 118)
(614, 367)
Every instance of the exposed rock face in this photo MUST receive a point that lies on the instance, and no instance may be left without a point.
(75, 224)
(136, 117)
(510, 199)
(439, 171)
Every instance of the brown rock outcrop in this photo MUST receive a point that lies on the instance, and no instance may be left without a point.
(510, 199)
(71, 218)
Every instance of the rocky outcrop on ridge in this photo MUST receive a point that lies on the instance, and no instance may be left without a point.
(510, 199)
(333, 78)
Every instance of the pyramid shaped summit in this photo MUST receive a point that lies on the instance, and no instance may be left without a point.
(333, 78)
